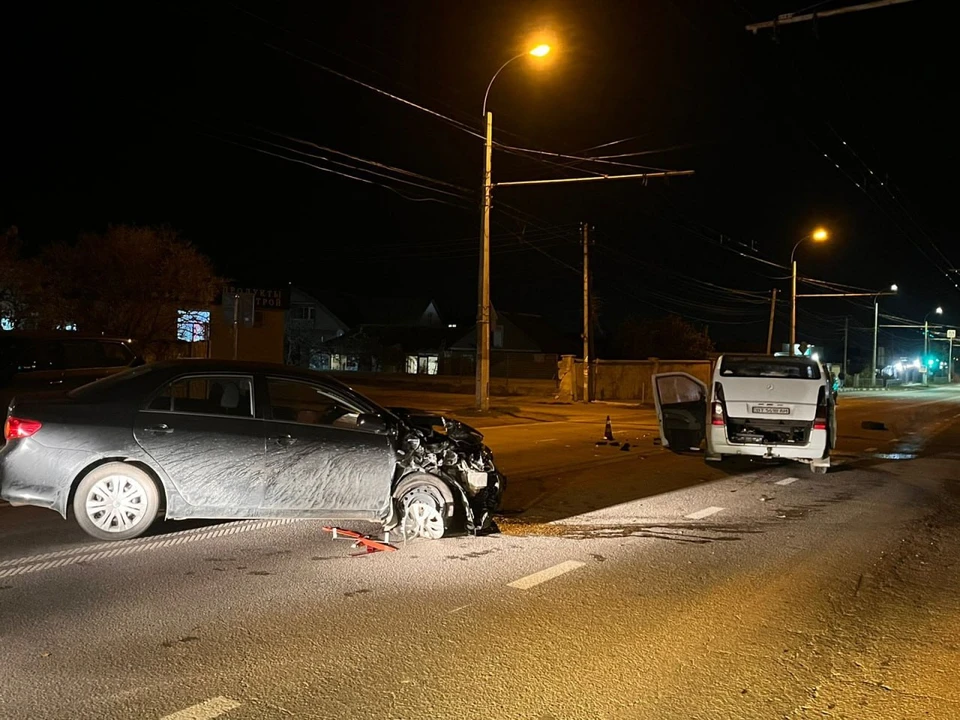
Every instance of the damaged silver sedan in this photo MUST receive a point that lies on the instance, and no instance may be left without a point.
(232, 440)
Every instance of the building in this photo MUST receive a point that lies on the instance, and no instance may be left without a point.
(257, 334)
(523, 345)
(343, 331)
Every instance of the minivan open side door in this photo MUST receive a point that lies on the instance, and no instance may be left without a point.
(681, 402)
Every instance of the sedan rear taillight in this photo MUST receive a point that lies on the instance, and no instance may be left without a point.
(19, 428)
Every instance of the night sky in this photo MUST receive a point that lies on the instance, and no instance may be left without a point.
(157, 112)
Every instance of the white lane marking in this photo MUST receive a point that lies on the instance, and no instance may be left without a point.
(83, 554)
(547, 440)
(870, 450)
(529, 581)
(786, 481)
(207, 710)
(706, 512)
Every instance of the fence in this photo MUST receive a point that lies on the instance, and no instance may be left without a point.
(624, 380)
(505, 364)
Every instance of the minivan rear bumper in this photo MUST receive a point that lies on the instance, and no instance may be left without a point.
(815, 449)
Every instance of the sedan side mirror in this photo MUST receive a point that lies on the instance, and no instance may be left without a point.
(371, 423)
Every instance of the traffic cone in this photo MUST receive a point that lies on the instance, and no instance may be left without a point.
(608, 431)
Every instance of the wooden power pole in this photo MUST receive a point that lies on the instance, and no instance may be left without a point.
(846, 339)
(773, 311)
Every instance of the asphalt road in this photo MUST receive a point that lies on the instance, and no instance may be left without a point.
(624, 584)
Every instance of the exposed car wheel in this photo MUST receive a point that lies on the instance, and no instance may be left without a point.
(422, 512)
(116, 501)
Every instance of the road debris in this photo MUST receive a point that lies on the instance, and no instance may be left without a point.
(365, 541)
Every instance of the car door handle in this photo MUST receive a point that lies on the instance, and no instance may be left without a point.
(162, 429)
(284, 440)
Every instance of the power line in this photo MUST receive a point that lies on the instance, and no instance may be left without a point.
(464, 193)
(332, 171)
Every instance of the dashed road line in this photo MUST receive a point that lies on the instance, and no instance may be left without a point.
(89, 553)
(786, 481)
(529, 581)
(701, 514)
(207, 710)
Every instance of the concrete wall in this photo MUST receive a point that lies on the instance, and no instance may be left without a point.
(449, 383)
(614, 380)
(624, 380)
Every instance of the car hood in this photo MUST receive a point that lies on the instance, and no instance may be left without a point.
(453, 429)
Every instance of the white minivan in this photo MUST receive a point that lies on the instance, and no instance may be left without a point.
(759, 406)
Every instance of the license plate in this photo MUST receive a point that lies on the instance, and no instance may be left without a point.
(761, 410)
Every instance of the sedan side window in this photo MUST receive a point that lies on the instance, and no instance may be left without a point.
(229, 396)
(300, 402)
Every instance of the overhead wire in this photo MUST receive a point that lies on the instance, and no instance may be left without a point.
(333, 172)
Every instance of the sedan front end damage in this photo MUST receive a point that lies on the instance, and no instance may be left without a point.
(454, 456)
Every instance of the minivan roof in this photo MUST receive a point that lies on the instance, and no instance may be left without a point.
(771, 358)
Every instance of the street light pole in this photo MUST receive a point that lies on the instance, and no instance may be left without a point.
(926, 342)
(876, 327)
(818, 235)
(483, 281)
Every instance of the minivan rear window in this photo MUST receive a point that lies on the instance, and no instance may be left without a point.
(769, 368)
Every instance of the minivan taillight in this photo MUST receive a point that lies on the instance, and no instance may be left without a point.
(820, 421)
(717, 416)
(19, 428)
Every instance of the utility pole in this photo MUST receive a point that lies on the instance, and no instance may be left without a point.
(236, 325)
(586, 313)
(950, 335)
(793, 308)
(483, 312)
(876, 332)
(773, 310)
(846, 337)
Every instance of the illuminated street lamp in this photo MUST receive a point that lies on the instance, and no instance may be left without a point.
(483, 290)
(818, 235)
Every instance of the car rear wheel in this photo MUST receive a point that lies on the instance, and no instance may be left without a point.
(116, 501)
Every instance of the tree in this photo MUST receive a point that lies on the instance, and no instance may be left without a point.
(16, 279)
(670, 338)
(127, 282)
